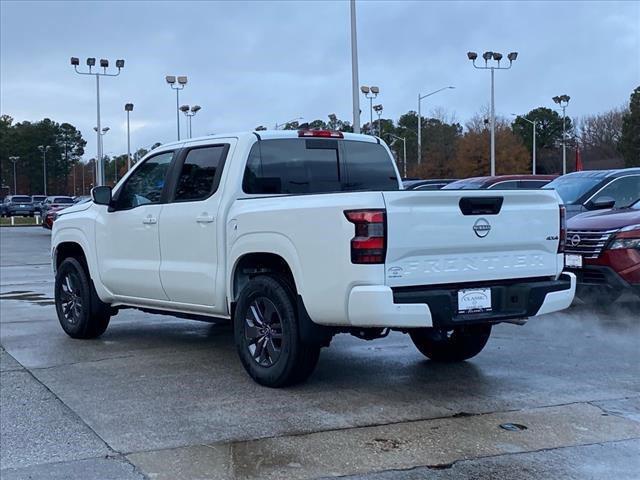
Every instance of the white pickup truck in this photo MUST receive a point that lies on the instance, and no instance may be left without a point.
(296, 236)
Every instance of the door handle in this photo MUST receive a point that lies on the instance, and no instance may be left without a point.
(204, 218)
(150, 220)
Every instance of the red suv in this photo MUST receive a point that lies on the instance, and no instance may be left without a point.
(603, 249)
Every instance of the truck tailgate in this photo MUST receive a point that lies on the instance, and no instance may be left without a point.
(459, 236)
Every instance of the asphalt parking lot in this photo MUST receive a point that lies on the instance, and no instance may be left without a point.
(162, 398)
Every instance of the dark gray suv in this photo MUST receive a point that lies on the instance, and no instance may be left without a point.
(18, 206)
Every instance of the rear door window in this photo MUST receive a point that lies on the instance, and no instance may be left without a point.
(200, 173)
(293, 166)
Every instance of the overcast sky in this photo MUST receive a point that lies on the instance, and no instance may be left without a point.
(258, 63)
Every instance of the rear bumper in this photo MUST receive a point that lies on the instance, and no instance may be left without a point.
(437, 306)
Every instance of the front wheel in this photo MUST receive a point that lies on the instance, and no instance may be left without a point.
(455, 345)
(80, 312)
(267, 336)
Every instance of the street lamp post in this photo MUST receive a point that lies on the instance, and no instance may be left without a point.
(378, 110)
(420, 98)
(563, 101)
(189, 113)
(497, 57)
(15, 182)
(533, 123)
(44, 149)
(354, 70)
(104, 64)
(101, 134)
(404, 148)
(177, 84)
(128, 107)
(370, 93)
(278, 125)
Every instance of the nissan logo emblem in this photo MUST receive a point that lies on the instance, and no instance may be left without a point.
(575, 240)
(481, 227)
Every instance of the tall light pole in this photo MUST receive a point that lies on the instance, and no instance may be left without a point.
(378, 110)
(104, 64)
(497, 57)
(354, 70)
(15, 182)
(189, 113)
(533, 123)
(177, 84)
(420, 98)
(404, 148)
(101, 134)
(370, 93)
(128, 107)
(563, 101)
(44, 149)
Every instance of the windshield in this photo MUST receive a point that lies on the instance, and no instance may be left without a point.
(571, 188)
(635, 206)
(38, 198)
(472, 184)
(63, 200)
(21, 199)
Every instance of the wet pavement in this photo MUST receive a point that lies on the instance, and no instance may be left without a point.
(158, 397)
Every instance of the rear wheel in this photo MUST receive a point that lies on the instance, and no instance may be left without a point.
(267, 336)
(80, 312)
(455, 345)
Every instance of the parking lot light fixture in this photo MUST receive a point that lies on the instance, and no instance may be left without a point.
(370, 93)
(14, 160)
(190, 112)
(563, 101)
(496, 56)
(422, 97)
(44, 149)
(404, 148)
(104, 64)
(378, 110)
(533, 123)
(128, 107)
(177, 83)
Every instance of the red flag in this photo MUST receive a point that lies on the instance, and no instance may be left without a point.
(579, 166)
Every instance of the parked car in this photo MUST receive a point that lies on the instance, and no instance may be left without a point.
(603, 250)
(55, 201)
(52, 212)
(37, 202)
(298, 236)
(431, 184)
(18, 206)
(597, 189)
(501, 182)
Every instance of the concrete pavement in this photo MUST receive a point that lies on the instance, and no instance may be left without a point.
(158, 397)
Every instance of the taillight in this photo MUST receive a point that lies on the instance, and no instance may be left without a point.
(563, 229)
(369, 246)
(320, 133)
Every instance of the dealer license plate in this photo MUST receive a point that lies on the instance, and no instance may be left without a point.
(573, 261)
(474, 300)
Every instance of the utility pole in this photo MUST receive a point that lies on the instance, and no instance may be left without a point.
(420, 98)
(14, 160)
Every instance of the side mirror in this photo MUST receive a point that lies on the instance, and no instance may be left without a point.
(101, 195)
(602, 203)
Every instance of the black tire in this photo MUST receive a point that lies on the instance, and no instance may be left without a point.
(601, 296)
(267, 337)
(455, 345)
(80, 312)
